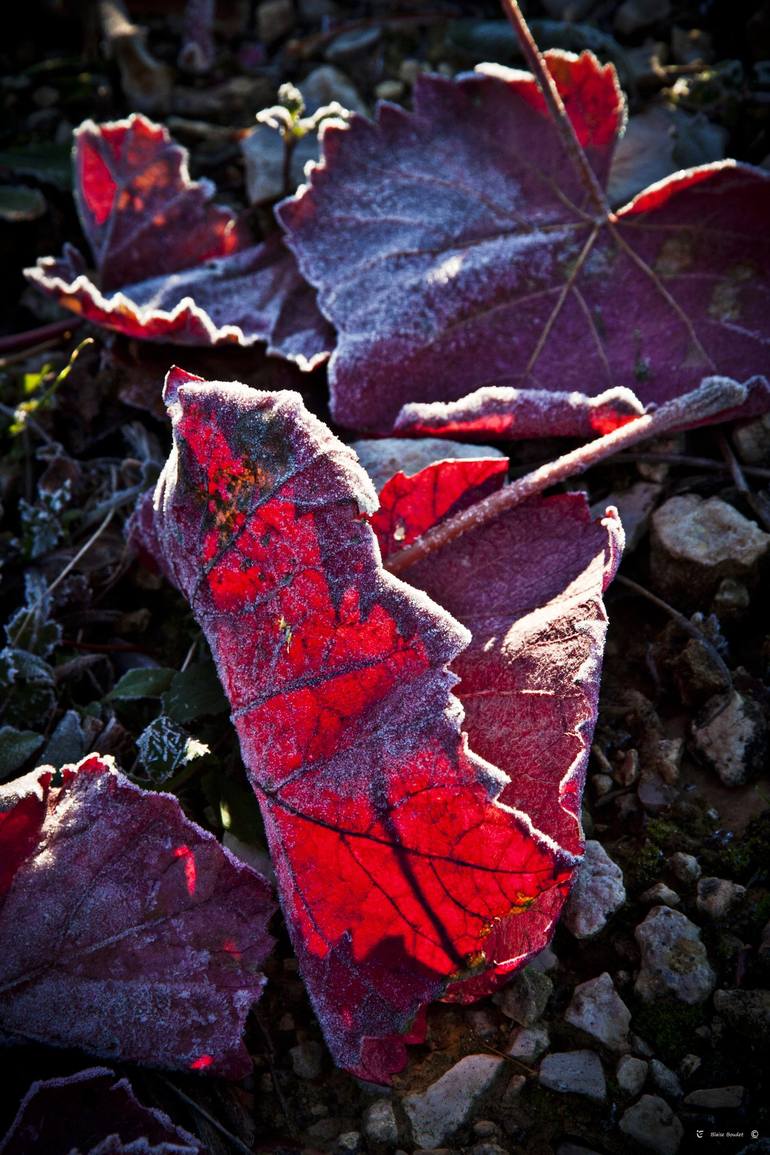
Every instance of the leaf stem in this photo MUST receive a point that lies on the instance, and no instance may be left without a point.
(559, 115)
(712, 395)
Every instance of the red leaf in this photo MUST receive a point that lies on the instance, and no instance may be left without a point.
(92, 1113)
(139, 209)
(529, 680)
(146, 220)
(455, 248)
(411, 505)
(395, 860)
(126, 930)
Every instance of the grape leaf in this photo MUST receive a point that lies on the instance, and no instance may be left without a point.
(126, 929)
(92, 1113)
(455, 248)
(171, 266)
(529, 679)
(394, 857)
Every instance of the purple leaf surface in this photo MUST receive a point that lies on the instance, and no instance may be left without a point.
(92, 1113)
(455, 248)
(126, 929)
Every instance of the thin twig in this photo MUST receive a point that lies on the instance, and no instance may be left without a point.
(741, 484)
(57, 581)
(711, 397)
(237, 1143)
(48, 334)
(685, 459)
(561, 120)
(683, 622)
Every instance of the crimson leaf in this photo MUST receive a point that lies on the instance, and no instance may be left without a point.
(513, 278)
(529, 679)
(92, 1113)
(171, 265)
(126, 929)
(394, 857)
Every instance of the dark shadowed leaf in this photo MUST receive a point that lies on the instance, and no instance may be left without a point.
(171, 265)
(394, 857)
(195, 693)
(455, 248)
(145, 682)
(126, 929)
(92, 1113)
(16, 746)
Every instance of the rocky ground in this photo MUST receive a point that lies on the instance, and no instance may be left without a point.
(649, 1017)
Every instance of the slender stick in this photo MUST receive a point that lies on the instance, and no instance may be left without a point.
(712, 395)
(561, 120)
(741, 484)
(21, 342)
(683, 623)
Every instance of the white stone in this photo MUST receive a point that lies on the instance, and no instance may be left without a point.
(379, 1122)
(685, 866)
(574, 1072)
(709, 533)
(598, 1009)
(263, 151)
(326, 84)
(716, 1098)
(731, 737)
(665, 1079)
(438, 1112)
(674, 960)
(597, 892)
(653, 1125)
(631, 1074)
(660, 893)
(717, 896)
(525, 997)
(529, 1043)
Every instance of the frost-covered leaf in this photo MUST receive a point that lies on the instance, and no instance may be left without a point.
(27, 687)
(16, 746)
(395, 859)
(125, 929)
(144, 682)
(92, 1113)
(138, 207)
(164, 747)
(529, 588)
(29, 627)
(172, 266)
(455, 247)
(195, 693)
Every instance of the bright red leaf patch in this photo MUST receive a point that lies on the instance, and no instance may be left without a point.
(126, 929)
(529, 588)
(172, 266)
(92, 1113)
(396, 860)
(455, 248)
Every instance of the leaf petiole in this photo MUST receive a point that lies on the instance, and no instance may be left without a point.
(713, 395)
